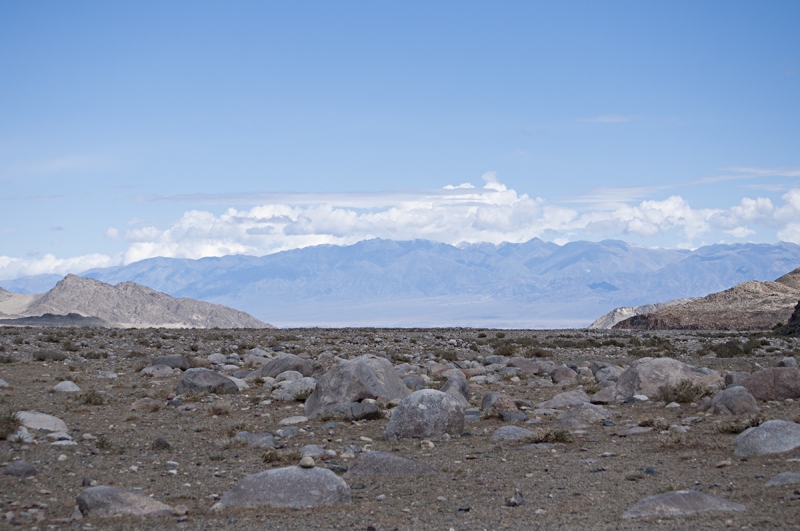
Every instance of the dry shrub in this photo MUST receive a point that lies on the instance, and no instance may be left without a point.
(220, 409)
(92, 398)
(9, 423)
(49, 355)
(683, 392)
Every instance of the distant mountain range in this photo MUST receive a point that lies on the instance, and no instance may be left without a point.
(75, 298)
(423, 283)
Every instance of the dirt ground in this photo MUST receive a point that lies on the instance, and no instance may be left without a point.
(586, 482)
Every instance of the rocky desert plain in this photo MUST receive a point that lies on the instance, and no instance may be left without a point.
(111, 428)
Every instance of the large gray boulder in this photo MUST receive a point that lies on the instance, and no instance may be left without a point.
(772, 437)
(775, 383)
(582, 416)
(734, 401)
(388, 464)
(457, 387)
(110, 501)
(289, 390)
(511, 433)
(338, 387)
(288, 362)
(291, 486)
(426, 413)
(647, 375)
(41, 421)
(680, 503)
(204, 380)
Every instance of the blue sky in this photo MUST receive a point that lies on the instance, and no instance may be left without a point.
(193, 129)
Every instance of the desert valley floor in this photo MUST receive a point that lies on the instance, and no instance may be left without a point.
(187, 452)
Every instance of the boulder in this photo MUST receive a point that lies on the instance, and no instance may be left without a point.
(288, 376)
(217, 359)
(497, 403)
(67, 387)
(563, 374)
(609, 373)
(39, 421)
(288, 362)
(204, 380)
(775, 383)
(567, 399)
(414, 382)
(604, 396)
(784, 478)
(582, 416)
(511, 433)
(525, 365)
(339, 386)
(387, 464)
(771, 437)
(645, 376)
(457, 387)
(173, 361)
(111, 501)
(157, 371)
(788, 361)
(300, 389)
(680, 503)
(426, 413)
(291, 486)
(734, 401)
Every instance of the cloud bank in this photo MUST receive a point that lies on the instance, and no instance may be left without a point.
(454, 214)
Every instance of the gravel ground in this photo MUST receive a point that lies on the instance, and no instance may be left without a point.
(587, 481)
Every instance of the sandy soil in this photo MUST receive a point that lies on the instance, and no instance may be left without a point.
(586, 483)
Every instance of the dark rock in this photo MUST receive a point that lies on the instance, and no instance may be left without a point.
(495, 360)
(426, 413)
(363, 395)
(786, 362)
(110, 501)
(204, 380)
(173, 361)
(20, 469)
(388, 464)
(775, 383)
(363, 411)
(287, 487)
(513, 416)
(160, 444)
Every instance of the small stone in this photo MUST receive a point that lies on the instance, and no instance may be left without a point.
(67, 387)
(723, 463)
(672, 405)
(516, 499)
(784, 478)
(20, 469)
(62, 457)
(161, 444)
(293, 420)
(307, 462)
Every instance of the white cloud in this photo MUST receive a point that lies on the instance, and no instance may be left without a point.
(453, 214)
(112, 233)
(18, 267)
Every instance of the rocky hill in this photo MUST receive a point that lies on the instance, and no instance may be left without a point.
(618, 315)
(751, 305)
(128, 304)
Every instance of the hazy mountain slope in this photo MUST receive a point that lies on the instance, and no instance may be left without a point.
(424, 283)
(129, 303)
(750, 305)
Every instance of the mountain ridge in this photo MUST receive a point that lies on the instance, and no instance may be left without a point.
(534, 284)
